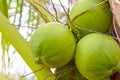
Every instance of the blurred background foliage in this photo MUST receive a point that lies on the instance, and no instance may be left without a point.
(26, 19)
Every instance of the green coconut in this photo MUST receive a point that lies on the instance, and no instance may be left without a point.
(97, 56)
(89, 17)
(53, 45)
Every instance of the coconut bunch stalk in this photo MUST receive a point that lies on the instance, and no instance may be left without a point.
(115, 8)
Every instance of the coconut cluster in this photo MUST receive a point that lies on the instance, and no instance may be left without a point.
(96, 55)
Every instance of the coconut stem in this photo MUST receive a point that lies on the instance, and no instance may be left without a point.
(70, 23)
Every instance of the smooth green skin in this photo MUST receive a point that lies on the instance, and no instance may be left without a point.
(97, 19)
(53, 45)
(97, 56)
